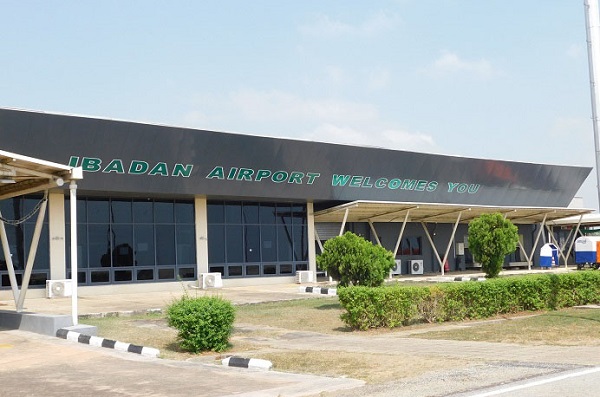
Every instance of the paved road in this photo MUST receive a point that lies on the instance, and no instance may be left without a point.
(37, 365)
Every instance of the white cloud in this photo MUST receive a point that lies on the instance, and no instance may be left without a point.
(378, 79)
(325, 26)
(450, 63)
(281, 106)
(575, 51)
(372, 136)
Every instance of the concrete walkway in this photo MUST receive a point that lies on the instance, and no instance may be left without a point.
(56, 367)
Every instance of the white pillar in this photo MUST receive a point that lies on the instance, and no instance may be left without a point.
(57, 235)
(73, 208)
(201, 224)
(312, 254)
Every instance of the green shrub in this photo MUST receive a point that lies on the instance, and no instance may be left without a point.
(352, 260)
(380, 307)
(204, 323)
(491, 238)
(395, 306)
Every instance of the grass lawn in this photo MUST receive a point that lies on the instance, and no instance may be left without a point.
(568, 327)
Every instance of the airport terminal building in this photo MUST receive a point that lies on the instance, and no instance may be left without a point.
(158, 205)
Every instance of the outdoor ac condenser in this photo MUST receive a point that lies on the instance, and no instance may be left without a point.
(397, 269)
(211, 280)
(304, 276)
(416, 266)
(58, 288)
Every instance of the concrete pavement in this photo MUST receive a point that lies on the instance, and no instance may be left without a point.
(56, 367)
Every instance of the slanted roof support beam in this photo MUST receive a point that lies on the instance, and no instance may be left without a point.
(9, 263)
(401, 234)
(35, 239)
(435, 251)
(537, 239)
(374, 232)
(569, 241)
(344, 221)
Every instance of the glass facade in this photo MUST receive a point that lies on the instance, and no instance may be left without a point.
(132, 240)
(19, 239)
(247, 239)
(123, 240)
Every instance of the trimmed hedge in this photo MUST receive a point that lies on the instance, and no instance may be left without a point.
(203, 323)
(389, 307)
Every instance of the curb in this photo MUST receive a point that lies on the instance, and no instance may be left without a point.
(102, 342)
(123, 313)
(252, 363)
(319, 290)
(466, 278)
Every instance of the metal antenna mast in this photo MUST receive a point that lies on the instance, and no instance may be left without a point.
(592, 24)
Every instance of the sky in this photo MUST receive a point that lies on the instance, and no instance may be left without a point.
(497, 79)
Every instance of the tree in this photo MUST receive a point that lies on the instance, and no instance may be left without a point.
(491, 238)
(351, 259)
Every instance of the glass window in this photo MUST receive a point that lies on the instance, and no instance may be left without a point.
(144, 245)
(165, 245)
(166, 274)
(217, 269)
(99, 243)
(145, 274)
(122, 254)
(216, 213)
(270, 269)
(253, 270)
(186, 250)
(186, 273)
(123, 275)
(267, 213)
(285, 269)
(100, 276)
(142, 211)
(269, 243)
(235, 244)
(252, 243)
(184, 213)
(250, 213)
(216, 244)
(163, 212)
(233, 213)
(98, 211)
(300, 244)
(235, 271)
(284, 243)
(120, 211)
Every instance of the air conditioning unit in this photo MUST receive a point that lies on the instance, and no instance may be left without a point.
(58, 288)
(211, 280)
(304, 276)
(397, 269)
(416, 266)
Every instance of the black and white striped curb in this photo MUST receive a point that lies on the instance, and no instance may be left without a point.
(102, 342)
(319, 290)
(467, 278)
(252, 363)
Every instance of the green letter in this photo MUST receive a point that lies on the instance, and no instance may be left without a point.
(339, 180)
(115, 165)
(217, 172)
(138, 167)
(159, 169)
(182, 170)
(91, 164)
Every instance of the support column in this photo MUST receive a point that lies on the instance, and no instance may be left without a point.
(312, 254)
(201, 224)
(74, 267)
(57, 233)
